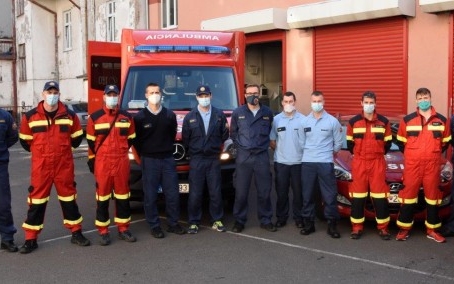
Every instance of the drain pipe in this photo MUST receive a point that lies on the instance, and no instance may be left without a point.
(57, 73)
(14, 65)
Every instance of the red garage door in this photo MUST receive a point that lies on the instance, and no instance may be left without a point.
(355, 57)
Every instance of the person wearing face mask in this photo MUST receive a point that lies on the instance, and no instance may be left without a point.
(422, 136)
(287, 127)
(156, 128)
(321, 139)
(110, 134)
(369, 139)
(205, 129)
(50, 131)
(250, 131)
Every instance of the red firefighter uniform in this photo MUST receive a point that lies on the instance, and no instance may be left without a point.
(50, 140)
(112, 164)
(422, 142)
(368, 141)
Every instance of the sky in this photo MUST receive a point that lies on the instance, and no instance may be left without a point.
(6, 29)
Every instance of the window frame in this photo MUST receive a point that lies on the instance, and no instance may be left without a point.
(169, 14)
(21, 60)
(67, 28)
(111, 10)
(20, 10)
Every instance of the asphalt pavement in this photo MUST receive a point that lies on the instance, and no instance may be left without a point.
(254, 256)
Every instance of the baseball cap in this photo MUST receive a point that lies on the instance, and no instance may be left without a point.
(111, 88)
(203, 90)
(50, 85)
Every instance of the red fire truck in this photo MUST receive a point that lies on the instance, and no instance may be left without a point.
(179, 61)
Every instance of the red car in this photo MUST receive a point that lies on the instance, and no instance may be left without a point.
(395, 166)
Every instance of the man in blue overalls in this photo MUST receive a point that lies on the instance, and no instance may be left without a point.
(205, 129)
(250, 130)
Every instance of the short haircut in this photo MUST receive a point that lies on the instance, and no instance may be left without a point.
(289, 94)
(317, 93)
(370, 95)
(251, 86)
(152, 84)
(423, 91)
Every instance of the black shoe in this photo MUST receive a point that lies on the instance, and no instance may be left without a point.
(28, 246)
(9, 246)
(299, 223)
(308, 227)
(445, 232)
(157, 232)
(238, 227)
(176, 229)
(126, 236)
(384, 234)
(280, 224)
(356, 235)
(332, 229)
(79, 239)
(269, 227)
(105, 239)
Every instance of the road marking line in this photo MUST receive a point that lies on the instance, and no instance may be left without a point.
(396, 267)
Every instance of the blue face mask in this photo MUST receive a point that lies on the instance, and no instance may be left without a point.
(424, 105)
(204, 102)
(52, 99)
(317, 107)
(111, 102)
(369, 108)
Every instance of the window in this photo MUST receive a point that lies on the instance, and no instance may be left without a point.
(21, 63)
(67, 30)
(169, 14)
(105, 71)
(111, 21)
(19, 7)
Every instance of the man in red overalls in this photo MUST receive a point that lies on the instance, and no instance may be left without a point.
(49, 131)
(423, 135)
(110, 132)
(368, 139)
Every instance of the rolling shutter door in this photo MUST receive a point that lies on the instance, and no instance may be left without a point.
(356, 57)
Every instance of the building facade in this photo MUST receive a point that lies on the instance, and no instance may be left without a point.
(341, 47)
(51, 38)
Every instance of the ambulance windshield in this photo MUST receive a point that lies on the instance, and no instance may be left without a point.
(178, 85)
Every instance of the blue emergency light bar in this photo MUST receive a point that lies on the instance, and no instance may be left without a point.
(181, 48)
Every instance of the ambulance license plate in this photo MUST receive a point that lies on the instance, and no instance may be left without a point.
(183, 187)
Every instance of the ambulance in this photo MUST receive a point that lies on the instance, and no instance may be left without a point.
(179, 61)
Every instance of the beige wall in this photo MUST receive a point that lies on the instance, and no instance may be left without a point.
(428, 58)
(428, 46)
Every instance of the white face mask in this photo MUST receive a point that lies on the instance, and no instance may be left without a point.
(111, 102)
(369, 108)
(52, 99)
(154, 99)
(289, 108)
(204, 102)
(317, 107)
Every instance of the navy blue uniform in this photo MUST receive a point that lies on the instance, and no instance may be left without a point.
(205, 167)
(8, 137)
(251, 135)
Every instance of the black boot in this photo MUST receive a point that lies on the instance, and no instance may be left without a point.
(332, 229)
(308, 227)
